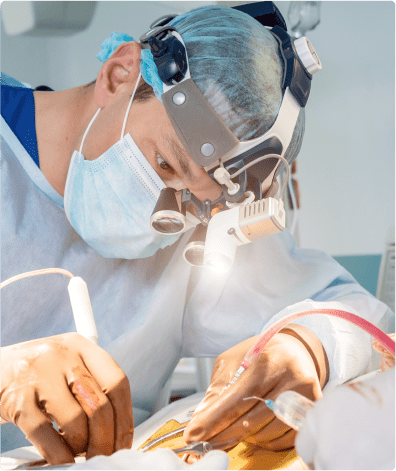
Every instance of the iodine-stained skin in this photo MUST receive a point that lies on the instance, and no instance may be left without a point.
(224, 419)
(71, 381)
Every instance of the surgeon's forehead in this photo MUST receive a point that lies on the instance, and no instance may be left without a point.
(180, 153)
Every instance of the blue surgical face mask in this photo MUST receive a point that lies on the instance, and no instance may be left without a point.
(109, 200)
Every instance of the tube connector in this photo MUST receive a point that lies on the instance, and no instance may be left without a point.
(237, 374)
(224, 178)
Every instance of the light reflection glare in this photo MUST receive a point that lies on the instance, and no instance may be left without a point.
(217, 266)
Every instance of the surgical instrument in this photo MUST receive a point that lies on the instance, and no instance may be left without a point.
(158, 440)
(198, 448)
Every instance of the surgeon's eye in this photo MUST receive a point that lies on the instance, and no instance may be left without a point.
(163, 163)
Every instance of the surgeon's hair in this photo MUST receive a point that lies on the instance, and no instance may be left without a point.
(236, 64)
(143, 93)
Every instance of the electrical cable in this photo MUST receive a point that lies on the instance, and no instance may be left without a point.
(79, 299)
(295, 208)
(265, 157)
(44, 271)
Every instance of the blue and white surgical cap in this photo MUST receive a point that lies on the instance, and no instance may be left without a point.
(148, 69)
(236, 64)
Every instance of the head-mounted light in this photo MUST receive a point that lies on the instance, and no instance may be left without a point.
(215, 147)
(193, 252)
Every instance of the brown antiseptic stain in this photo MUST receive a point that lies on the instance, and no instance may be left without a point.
(377, 394)
(83, 389)
(359, 387)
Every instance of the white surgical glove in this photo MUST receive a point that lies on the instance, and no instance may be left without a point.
(161, 458)
(353, 427)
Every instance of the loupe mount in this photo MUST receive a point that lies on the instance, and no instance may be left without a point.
(203, 209)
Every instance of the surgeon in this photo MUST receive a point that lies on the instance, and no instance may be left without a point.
(82, 171)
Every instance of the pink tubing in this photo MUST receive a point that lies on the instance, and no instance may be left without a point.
(370, 328)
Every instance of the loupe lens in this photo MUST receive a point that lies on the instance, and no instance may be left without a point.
(194, 250)
(194, 253)
(168, 222)
(166, 217)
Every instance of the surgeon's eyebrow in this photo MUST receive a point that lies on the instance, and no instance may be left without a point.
(182, 157)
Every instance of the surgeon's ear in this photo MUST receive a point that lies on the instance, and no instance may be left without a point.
(119, 73)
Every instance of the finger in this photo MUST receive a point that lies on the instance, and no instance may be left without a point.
(282, 443)
(120, 398)
(39, 431)
(98, 410)
(269, 432)
(218, 412)
(113, 382)
(70, 417)
(249, 423)
(308, 388)
(378, 347)
(387, 362)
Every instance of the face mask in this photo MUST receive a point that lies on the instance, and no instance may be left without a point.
(109, 200)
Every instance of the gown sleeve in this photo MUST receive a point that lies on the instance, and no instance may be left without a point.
(272, 278)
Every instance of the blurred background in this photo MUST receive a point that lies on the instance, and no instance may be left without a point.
(346, 167)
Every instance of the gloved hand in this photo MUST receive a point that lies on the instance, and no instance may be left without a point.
(387, 359)
(292, 360)
(352, 427)
(71, 381)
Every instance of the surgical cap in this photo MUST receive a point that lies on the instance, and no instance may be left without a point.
(236, 64)
(148, 68)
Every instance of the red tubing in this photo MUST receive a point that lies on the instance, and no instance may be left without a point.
(370, 328)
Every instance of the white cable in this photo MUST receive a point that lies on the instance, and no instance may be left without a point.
(35, 273)
(295, 207)
(125, 119)
(264, 157)
(86, 131)
(79, 298)
(129, 107)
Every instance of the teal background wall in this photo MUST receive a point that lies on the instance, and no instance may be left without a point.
(364, 268)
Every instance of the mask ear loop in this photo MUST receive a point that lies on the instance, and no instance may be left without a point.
(129, 107)
(125, 119)
(86, 131)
